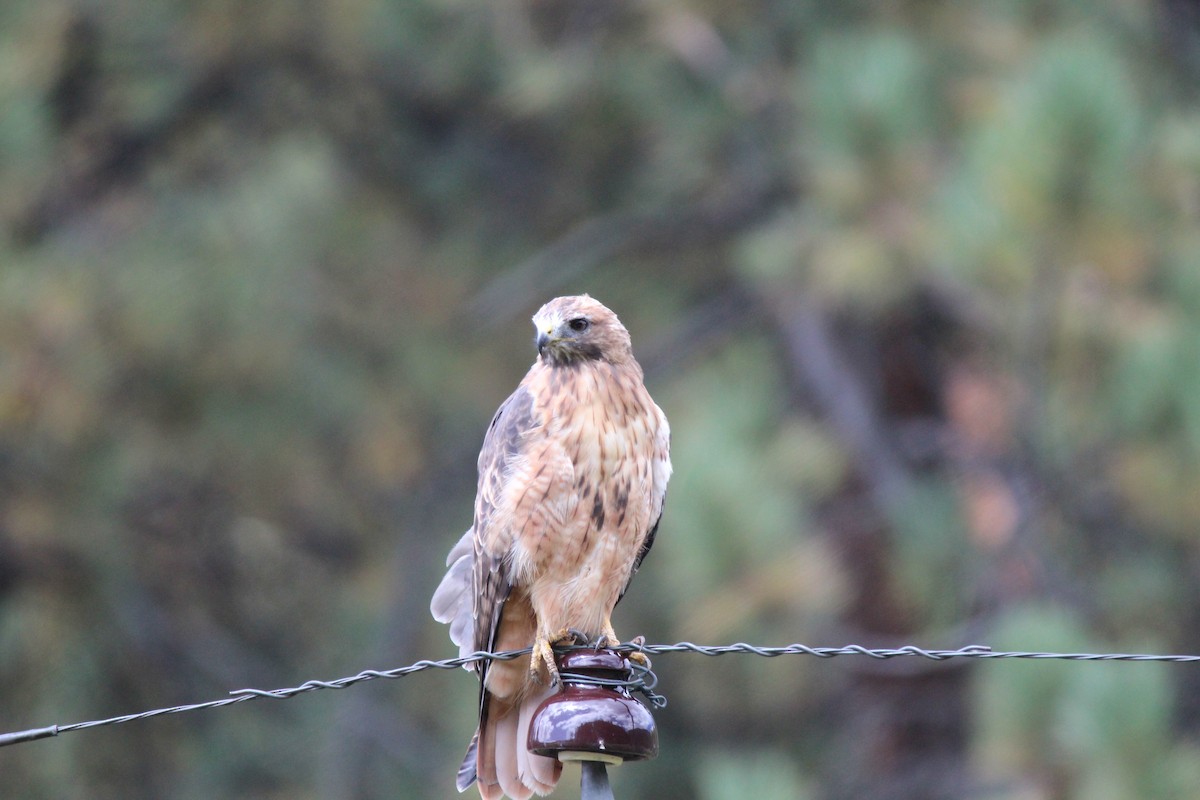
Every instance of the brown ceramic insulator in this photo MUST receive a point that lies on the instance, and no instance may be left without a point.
(600, 723)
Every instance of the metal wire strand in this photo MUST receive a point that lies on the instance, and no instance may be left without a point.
(643, 679)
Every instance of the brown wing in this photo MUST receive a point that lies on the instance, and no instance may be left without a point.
(503, 443)
(491, 582)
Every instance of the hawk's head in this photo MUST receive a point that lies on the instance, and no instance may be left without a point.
(572, 330)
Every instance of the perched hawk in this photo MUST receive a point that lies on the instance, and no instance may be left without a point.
(572, 476)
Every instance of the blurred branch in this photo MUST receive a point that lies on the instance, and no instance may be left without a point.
(361, 110)
(620, 233)
(118, 154)
(73, 92)
(1179, 28)
(821, 370)
(705, 326)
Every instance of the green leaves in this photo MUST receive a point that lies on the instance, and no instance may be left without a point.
(1054, 159)
(869, 95)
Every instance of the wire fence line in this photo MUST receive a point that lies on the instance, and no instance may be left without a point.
(641, 680)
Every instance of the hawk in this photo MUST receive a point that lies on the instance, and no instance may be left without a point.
(572, 476)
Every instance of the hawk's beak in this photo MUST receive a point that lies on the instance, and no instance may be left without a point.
(541, 340)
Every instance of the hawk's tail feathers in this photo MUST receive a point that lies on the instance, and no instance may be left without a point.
(504, 739)
(498, 758)
(539, 773)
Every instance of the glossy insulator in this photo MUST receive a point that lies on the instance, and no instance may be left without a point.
(587, 722)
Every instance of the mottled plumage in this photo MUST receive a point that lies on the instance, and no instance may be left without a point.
(572, 476)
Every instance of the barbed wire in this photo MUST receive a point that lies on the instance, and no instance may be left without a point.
(642, 679)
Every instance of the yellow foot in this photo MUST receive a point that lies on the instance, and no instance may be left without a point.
(637, 657)
(543, 653)
(543, 656)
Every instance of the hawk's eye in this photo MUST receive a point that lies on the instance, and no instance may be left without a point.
(579, 324)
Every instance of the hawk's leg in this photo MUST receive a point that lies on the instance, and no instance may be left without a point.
(608, 637)
(543, 652)
(542, 656)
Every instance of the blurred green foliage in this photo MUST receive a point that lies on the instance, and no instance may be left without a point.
(917, 283)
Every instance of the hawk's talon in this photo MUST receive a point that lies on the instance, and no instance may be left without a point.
(568, 637)
(572, 637)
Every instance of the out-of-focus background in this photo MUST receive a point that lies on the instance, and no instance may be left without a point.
(917, 283)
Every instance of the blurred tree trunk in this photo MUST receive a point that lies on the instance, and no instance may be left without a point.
(901, 729)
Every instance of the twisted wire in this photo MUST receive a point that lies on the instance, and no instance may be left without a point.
(970, 651)
(642, 679)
